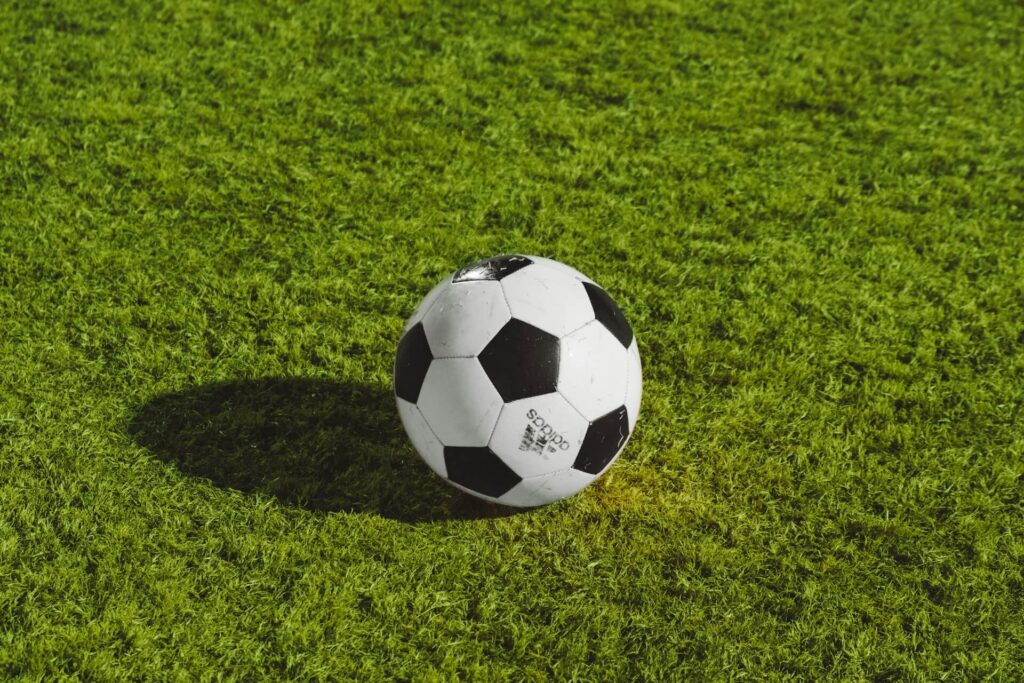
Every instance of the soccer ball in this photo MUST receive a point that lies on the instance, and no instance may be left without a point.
(518, 380)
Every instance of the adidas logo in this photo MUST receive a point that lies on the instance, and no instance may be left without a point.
(539, 436)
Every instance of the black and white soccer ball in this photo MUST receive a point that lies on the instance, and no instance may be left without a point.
(518, 380)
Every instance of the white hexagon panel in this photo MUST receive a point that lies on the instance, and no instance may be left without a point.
(553, 301)
(560, 267)
(422, 437)
(464, 317)
(459, 402)
(539, 435)
(593, 370)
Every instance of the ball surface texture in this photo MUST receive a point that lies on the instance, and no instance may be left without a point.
(518, 380)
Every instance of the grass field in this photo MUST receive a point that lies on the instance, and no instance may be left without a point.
(215, 218)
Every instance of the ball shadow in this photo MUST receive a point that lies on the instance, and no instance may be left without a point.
(318, 444)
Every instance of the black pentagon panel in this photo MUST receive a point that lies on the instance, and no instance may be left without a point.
(605, 436)
(609, 314)
(492, 268)
(480, 470)
(521, 361)
(411, 363)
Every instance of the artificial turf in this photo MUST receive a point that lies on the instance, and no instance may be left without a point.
(215, 217)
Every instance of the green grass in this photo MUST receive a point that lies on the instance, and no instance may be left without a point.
(214, 219)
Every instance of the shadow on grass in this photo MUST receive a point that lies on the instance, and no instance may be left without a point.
(317, 444)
